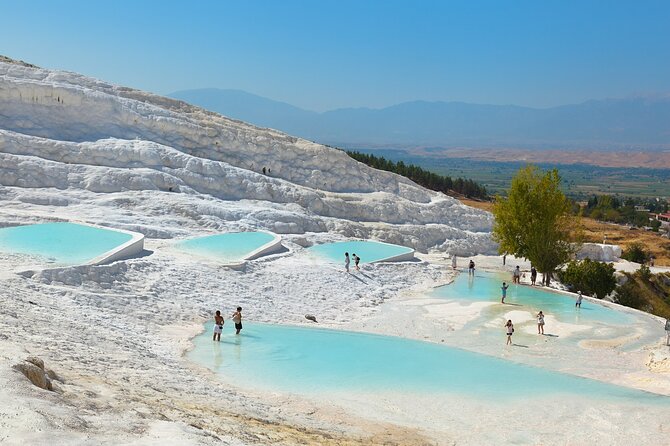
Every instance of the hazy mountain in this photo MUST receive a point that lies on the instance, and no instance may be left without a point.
(601, 124)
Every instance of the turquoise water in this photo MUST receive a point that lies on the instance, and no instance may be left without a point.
(368, 251)
(61, 243)
(486, 287)
(309, 361)
(228, 247)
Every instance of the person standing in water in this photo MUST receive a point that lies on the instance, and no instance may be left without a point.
(540, 323)
(510, 330)
(578, 303)
(533, 275)
(218, 326)
(504, 292)
(471, 268)
(516, 275)
(237, 319)
(346, 261)
(356, 261)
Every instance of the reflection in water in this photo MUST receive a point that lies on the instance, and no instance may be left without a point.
(218, 356)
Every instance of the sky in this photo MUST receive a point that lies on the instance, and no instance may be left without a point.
(327, 54)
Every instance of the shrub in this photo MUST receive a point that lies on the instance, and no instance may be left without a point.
(589, 277)
(629, 295)
(635, 253)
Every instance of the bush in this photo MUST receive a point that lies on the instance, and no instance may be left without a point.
(629, 295)
(635, 253)
(644, 272)
(655, 225)
(589, 277)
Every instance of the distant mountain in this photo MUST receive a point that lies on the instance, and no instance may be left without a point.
(251, 108)
(641, 123)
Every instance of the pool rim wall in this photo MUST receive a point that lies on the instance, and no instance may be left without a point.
(404, 257)
(125, 250)
(266, 249)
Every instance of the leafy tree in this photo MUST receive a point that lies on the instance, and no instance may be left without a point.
(534, 220)
(635, 253)
(589, 277)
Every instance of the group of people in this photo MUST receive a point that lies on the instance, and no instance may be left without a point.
(218, 323)
(347, 260)
(516, 275)
(540, 316)
(509, 326)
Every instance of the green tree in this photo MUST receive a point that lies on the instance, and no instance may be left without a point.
(592, 278)
(534, 221)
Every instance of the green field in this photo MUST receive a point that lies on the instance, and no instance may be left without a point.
(579, 180)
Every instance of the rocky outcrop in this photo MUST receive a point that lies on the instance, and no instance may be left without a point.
(33, 369)
(599, 252)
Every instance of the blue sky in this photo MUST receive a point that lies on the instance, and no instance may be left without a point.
(324, 54)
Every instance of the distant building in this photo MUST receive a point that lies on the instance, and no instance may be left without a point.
(641, 209)
(664, 218)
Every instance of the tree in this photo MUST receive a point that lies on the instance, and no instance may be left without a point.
(534, 221)
(592, 278)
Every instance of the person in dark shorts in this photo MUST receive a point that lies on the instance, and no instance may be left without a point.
(237, 319)
(356, 261)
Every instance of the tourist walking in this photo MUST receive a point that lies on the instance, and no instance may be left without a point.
(218, 326)
(346, 261)
(504, 292)
(510, 330)
(578, 302)
(540, 323)
(471, 268)
(453, 261)
(533, 275)
(516, 275)
(356, 261)
(237, 319)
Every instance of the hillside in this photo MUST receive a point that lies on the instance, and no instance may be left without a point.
(86, 143)
(630, 123)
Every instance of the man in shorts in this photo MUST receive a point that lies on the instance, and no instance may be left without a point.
(218, 326)
(237, 319)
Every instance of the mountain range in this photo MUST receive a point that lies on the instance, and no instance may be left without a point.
(630, 123)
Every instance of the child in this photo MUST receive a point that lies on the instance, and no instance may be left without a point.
(504, 292)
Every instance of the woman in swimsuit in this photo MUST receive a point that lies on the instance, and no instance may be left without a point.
(540, 323)
(510, 330)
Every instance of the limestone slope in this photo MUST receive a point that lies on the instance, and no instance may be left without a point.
(84, 142)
